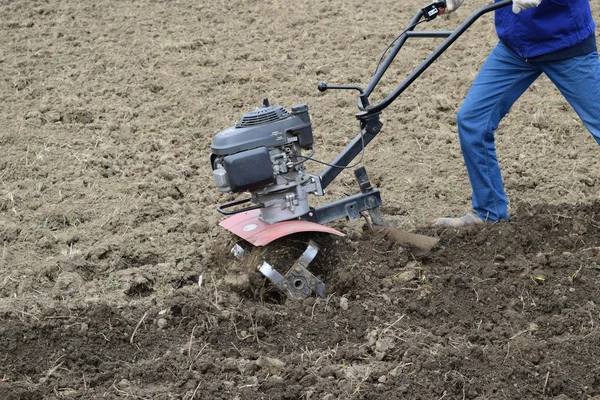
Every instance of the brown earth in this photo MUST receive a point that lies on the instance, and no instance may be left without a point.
(116, 282)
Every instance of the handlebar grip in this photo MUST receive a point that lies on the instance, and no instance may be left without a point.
(431, 11)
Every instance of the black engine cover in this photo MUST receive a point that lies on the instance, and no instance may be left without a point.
(249, 170)
(270, 127)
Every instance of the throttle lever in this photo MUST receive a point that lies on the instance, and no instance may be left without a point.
(434, 9)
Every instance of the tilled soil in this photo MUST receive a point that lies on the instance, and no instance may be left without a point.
(502, 311)
(117, 282)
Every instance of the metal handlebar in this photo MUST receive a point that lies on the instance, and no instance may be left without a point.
(370, 124)
(451, 37)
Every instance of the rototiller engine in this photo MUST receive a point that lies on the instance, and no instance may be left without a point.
(264, 154)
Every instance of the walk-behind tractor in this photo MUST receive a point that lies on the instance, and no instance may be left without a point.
(266, 151)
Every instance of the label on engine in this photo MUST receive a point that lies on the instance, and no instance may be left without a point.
(278, 134)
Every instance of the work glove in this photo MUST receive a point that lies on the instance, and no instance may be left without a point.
(520, 5)
(452, 5)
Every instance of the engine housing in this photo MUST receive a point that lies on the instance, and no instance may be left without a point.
(262, 154)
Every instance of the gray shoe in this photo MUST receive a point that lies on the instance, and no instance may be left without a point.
(469, 219)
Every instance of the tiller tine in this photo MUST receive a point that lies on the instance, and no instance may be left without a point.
(298, 283)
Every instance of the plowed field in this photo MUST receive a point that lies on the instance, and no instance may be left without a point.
(117, 282)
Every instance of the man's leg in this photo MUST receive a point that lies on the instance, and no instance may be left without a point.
(500, 82)
(578, 79)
